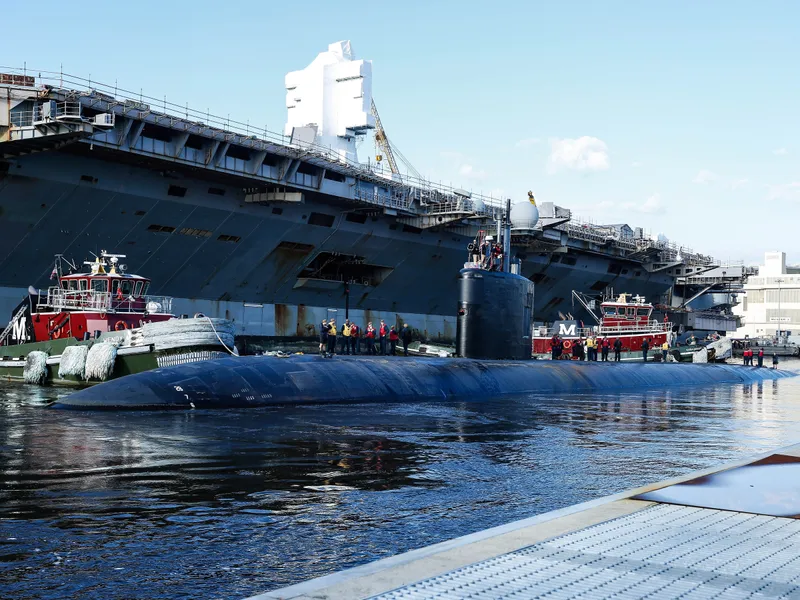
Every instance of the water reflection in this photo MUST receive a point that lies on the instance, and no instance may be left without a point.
(238, 502)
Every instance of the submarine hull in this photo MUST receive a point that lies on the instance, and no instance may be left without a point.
(257, 381)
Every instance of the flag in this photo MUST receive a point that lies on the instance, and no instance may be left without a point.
(54, 273)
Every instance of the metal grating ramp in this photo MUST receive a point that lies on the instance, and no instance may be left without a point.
(664, 551)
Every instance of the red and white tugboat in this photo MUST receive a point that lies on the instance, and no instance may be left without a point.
(104, 299)
(101, 323)
(626, 319)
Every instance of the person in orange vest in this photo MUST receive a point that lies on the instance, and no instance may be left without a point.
(383, 334)
(370, 337)
(393, 339)
(760, 357)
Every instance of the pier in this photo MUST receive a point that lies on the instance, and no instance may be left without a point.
(729, 532)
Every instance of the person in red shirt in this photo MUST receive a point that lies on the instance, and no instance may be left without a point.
(354, 345)
(383, 335)
(370, 337)
(394, 337)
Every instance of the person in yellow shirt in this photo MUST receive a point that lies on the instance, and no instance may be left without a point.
(332, 337)
(664, 350)
(345, 337)
(591, 349)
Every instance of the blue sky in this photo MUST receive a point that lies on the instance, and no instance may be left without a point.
(680, 117)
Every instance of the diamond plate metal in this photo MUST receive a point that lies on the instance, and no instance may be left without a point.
(665, 551)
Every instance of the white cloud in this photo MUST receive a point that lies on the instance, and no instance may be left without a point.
(636, 164)
(784, 191)
(527, 142)
(705, 176)
(471, 172)
(737, 183)
(651, 205)
(581, 154)
(780, 151)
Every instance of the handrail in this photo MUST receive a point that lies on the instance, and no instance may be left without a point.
(61, 299)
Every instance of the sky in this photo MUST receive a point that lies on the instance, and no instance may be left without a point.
(680, 117)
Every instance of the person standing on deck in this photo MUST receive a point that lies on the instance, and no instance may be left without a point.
(591, 350)
(760, 357)
(383, 333)
(345, 341)
(645, 348)
(605, 348)
(393, 339)
(554, 347)
(774, 361)
(370, 337)
(664, 350)
(405, 335)
(617, 349)
(332, 337)
(354, 332)
(323, 336)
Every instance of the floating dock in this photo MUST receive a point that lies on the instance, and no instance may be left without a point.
(727, 532)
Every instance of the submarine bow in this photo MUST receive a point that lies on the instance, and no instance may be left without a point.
(264, 381)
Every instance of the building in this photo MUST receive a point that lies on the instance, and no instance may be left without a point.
(771, 304)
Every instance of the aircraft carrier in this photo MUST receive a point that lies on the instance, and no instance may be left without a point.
(276, 230)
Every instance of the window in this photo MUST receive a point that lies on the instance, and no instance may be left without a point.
(194, 232)
(138, 291)
(100, 285)
(127, 287)
(229, 238)
(71, 284)
(114, 286)
(610, 311)
(321, 219)
(161, 228)
(83, 284)
(177, 190)
(146, 288)
(642, 312)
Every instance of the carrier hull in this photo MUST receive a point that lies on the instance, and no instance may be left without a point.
(259, 264)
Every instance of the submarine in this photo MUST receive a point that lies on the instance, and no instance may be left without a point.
(493, 341)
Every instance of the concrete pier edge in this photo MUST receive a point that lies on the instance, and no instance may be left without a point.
(409, 567)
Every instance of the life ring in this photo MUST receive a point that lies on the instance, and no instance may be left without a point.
(119, 326)
(567, 344)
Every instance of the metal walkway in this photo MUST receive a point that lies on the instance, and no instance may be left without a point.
(664, 551)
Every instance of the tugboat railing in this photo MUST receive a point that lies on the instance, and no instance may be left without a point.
(83, 300)
(650, 328)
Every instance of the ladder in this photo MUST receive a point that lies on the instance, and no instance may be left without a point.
(11, 324)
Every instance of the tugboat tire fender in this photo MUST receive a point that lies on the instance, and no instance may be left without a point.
(199, 316)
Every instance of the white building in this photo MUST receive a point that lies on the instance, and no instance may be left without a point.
(771, 304)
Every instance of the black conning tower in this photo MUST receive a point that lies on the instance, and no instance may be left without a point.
(495, 315)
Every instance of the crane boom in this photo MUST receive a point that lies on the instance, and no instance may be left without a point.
(382, 141)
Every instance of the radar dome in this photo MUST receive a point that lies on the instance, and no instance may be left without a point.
(524, 215)
(478, 205)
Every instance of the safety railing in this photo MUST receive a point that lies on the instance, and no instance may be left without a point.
(90, 300)
(649, 328)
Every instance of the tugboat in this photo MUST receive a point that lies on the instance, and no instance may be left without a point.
(101, 324)
(626, 319)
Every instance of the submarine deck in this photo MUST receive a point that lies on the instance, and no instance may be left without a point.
(726, 532)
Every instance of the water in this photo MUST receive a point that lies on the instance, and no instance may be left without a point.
(225, 504)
